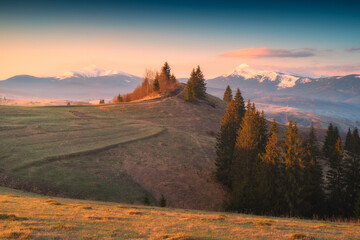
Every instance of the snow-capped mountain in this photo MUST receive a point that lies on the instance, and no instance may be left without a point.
(92, 71)
(87, 84)
(282, 80)
(337, 96)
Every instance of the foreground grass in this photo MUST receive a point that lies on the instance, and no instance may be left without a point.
(31, 216)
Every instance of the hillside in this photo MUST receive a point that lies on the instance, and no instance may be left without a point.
(32, 216)
(116, 152)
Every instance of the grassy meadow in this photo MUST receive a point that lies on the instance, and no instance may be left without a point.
(31, 216)
(114, 152)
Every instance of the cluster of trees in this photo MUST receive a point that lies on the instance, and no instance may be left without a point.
(343, 177)
(195, 87)
(154, 83)
(268, 175)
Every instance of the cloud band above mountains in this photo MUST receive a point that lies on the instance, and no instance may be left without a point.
(268, 53)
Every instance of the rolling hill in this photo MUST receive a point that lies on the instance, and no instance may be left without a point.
(115, 152)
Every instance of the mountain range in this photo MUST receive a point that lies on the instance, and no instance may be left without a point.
(336, 97)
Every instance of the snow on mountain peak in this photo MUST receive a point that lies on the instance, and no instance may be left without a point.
(245, 71)
(92, 71)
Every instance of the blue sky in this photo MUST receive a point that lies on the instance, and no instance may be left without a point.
(48, 37)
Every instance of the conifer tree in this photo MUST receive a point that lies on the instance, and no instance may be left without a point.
(226, 142)
(271, 175)
(293, 154)
(243, 195)
(352, 173)
(355, 142)
(156, 85)
(199, 84)
(313, 192)
(239, 101)
(347, 140)
(166, 70)
(335, 179)
(227, 94)
(331, 137)
(189, 88)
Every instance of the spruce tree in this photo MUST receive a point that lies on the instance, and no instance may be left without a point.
(335, 179)
(352, 173)
(189, 88)
(199, 84)
(331, 137)
(166, 70)
(227, 94)
(293, 155)
(347, 140)
(225, 143)
(355, 142)
(239, 101)
(156, 85)
(246, 152)
(313, 192)
(271, 175)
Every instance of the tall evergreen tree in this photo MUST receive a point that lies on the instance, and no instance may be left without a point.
(331, 137)
(227, 94)
(270, 175)
(239, 101)
(226, 142)
(189, 88)
(313, 192)
(199, 83)
(246, 152)
(347, 140)
(352, 173)
(355, 142)
(293, 155)
(335, 179)
(166, 70)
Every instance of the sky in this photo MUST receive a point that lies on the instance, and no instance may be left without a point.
(53, 38)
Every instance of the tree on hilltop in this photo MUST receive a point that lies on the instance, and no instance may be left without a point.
(227, 94)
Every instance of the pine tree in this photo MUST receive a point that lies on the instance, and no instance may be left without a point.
(156, 86)
(313, 192)
(199, 84)
(335, 179)
(356, 212)
(347, 140)
(352, 173)
(239, 101)
(227, 94)
(332, 136)
(355, 142)
(271, 175)
(189, 88)
(243, 195)
(226, 142)
(293, 155)
(166, 70)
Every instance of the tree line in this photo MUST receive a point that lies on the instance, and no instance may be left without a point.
(154, 83)
(271, 176)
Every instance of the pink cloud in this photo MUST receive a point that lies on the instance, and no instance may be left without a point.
(324, 70)
(353, 49)
(267, 52)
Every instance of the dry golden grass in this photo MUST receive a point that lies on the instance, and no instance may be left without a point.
(30, 216)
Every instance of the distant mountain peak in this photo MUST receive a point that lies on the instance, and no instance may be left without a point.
(92, 71)
(284, 80)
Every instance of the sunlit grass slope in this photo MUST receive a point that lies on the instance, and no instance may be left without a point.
(115, 152)
(31, 216)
